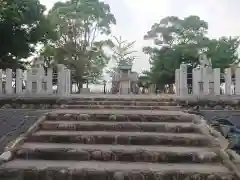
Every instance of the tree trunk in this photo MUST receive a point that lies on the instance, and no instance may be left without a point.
(79, 86)
(87, 84)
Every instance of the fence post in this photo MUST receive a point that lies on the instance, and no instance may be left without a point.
(205, 81)
(49, 81)
(19, 83)
(29, 81)
(8, 87)
(61, 79)
(237, 81)
(1, 81)
(216, 80)
(195, 81)
(183, 80)
(68, 84)
(228, 81)
(40, 74)
(177, 81)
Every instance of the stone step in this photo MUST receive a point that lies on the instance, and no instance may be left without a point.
(115, 97)
(122, 138)
(96, 170)
(119, 115)
(84, 152)
(126, 103)
(120, 126)
(113, 106)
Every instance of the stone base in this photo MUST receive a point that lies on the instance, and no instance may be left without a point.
(85, 90)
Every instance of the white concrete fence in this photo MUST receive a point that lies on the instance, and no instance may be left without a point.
(206, 81)
(36, 81)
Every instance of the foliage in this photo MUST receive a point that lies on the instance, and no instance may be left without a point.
(223, 52)
(181, 41)
(122, 53)
(79, 23)
(22, 26)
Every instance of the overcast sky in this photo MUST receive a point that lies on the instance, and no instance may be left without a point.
(135, 17)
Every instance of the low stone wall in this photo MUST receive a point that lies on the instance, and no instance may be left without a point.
(31, 102)
(209, 102)
(187, 102)
(53, 102)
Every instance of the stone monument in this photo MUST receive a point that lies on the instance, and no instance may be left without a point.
(37, 74)
(206, 83)
(124, 81)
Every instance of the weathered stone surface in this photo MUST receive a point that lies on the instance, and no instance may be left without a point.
(120, 115)
(125, 138)
(147, 107)
(115, 170)
(220, 103)
(121, 126)
(51, 151)
(124, 103)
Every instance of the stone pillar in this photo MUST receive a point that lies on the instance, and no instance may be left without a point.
(205, 81)
(183, 80)
(61, 79)
(8, 86)
(49, 81)
(40, 74)
(19, 81)
(216, 80)
(68, 84)
(29, 81)
(237, 81)
(195, 81)
(200, 82)
(1, 82)
(177, 81)
(228, 81)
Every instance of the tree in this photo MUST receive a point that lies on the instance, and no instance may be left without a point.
(180, 41)
(79, 23)
(22, 26)
(122, 51)
(223, 52)
(122, 54)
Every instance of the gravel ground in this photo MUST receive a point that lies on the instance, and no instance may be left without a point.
(15, 122)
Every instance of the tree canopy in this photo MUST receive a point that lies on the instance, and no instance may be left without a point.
(179, 41)
(80, 25)
(22, 26)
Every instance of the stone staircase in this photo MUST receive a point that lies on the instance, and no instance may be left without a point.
(92, 139)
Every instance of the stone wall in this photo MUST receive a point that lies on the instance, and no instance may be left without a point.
(34, 81)
(206, 81)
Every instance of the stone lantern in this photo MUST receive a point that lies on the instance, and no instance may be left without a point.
(38, 73)
(125, 79)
